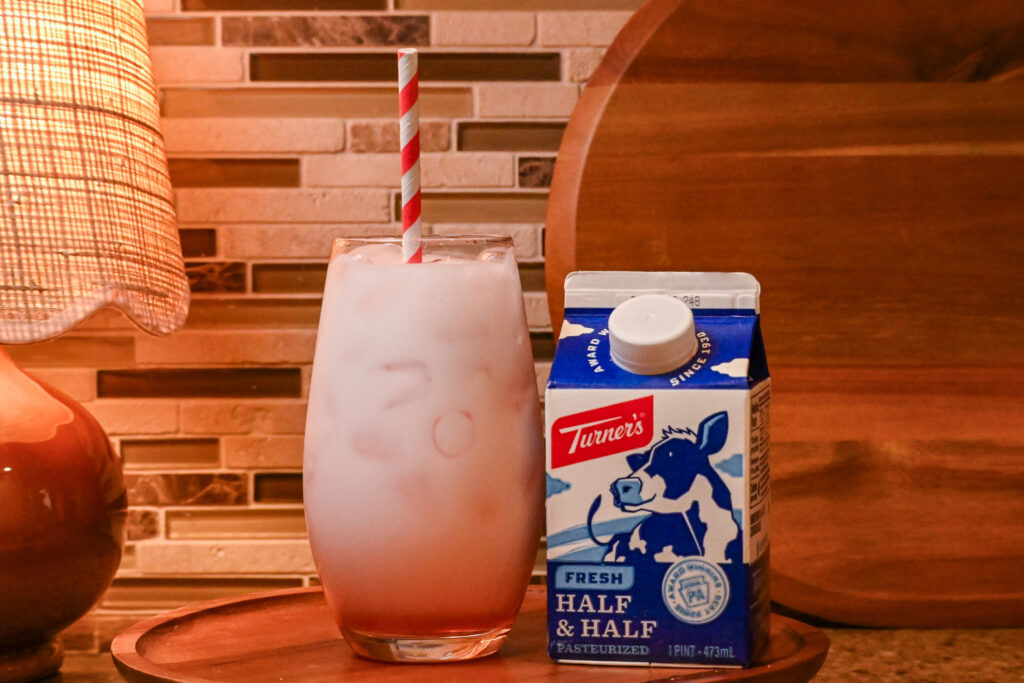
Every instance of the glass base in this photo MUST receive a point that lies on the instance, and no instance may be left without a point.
(426, 650)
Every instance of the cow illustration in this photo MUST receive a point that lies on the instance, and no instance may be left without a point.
(689, 507)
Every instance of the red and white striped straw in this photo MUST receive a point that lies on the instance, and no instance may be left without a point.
(409, 110)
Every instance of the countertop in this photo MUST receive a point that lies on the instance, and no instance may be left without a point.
(921, 656)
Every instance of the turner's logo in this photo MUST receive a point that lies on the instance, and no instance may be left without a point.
(602, 431)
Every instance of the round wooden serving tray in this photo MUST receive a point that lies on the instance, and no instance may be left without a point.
(289, 635)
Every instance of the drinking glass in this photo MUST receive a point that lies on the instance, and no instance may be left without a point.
(423, 464)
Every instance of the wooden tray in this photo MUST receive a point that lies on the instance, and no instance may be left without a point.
(864, 161)
(289, 635)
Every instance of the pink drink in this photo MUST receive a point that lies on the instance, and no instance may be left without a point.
(424, 463)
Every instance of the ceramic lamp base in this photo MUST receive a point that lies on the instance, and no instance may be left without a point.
(62, 513)
(31, 663)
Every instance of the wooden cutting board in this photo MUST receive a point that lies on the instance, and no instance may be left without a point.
(865, 161)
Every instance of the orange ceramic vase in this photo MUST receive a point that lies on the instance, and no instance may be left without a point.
(62, 512)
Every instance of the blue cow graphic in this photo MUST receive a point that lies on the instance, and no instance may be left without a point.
(690, 506)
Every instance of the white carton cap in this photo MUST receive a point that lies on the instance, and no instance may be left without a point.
(651, 334)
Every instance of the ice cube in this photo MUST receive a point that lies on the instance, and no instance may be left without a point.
(377, 254)
(493, 255)
(403, 382)
(453, 433)
(374, 444)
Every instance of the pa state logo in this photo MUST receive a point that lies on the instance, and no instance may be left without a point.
(695, 591)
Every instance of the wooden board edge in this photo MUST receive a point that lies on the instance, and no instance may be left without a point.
(136, 668)
(863, 609)
(815, 650)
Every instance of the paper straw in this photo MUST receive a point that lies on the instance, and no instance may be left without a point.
(409, 110)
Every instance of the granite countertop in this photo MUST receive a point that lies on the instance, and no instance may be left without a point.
(924, 655)
(921, 656)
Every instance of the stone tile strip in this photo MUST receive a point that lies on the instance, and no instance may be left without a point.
(227, 347)
(536, 172)
(335, 102)
(275, 487)
(381, 170)
(289, 278)
(483, 28)
(220, 277)
(226, 557)
(228, 313)
(526, 100)
(265, 5)
(209, 135)
(170, 453)
(231, 523)
(501, 5)
(197, 64)
(186, 489)
(134, 417)
(191, 31)
(584, 29)
(158, 6)
(182, 383)
(325, 31)
(198, 242)
(510, 135)
(217, 417)
(382, 136)
(537, 315)
(484, 207)
(216, 205)
(142, 524)
(378, 67)
(288, 241)
(234, 172)
(263, 452)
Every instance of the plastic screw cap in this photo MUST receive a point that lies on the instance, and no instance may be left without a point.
(652, 334)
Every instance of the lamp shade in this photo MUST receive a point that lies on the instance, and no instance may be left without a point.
(86, 211)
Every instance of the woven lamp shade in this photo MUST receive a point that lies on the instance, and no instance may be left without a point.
(86, 212)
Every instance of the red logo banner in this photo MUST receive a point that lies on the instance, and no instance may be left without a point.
(602, 431)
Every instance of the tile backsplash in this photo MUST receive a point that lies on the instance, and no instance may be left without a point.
(280, 120)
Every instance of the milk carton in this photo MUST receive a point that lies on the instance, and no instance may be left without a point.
(657, 471)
